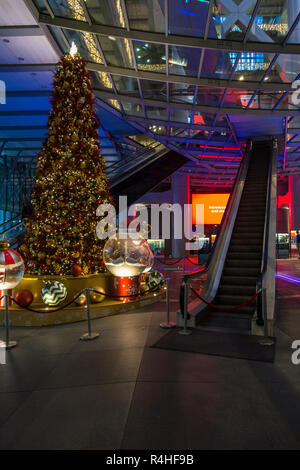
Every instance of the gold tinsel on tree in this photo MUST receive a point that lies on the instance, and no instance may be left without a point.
(70, 182)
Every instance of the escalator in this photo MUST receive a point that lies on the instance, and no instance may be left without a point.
(140, 172)
(242, 258)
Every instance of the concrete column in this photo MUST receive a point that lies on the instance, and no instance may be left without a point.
(294, 183)
(181, 192)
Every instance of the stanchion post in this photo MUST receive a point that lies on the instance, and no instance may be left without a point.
(185, 331)
(89, 335)
(167, 324)
(8, 344)
(266, 341)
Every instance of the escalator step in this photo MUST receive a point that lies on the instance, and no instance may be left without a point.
(248, 272)
(243, 248)
(243, 263)
(239, 280)
(243, 256)
(250, 241)
(228, 289)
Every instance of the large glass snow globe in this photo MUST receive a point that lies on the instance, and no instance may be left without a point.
(126, 257)
(11, 267)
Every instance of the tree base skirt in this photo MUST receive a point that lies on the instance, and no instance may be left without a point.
(103, 282)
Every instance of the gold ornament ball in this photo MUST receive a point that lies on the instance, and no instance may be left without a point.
(96, 298)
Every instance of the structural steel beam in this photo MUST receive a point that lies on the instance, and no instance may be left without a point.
(196, 141)
(200, 108)
(171, 39)
(27, 68)
(183, 79)
(20, 31)
(179, 125)
(157, 77)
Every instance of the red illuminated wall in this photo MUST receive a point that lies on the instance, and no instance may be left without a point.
(214, 207)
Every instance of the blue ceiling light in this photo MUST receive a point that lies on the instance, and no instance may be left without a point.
(186, 11)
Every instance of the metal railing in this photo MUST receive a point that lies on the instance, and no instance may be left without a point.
(10, 225)
(119, 171)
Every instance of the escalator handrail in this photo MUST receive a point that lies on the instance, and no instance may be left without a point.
(132, 157)
(220, 234)
(265, 256)
(132, 167)
(10, 221)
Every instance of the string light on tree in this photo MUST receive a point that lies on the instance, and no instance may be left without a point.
(70, 181)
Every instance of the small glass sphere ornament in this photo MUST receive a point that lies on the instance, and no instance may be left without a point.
(54, 293)
(11, 267)
(126, 257)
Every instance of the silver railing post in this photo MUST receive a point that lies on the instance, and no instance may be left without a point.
(8, 344)
(266, 341)
(89, 335)
(185, 331)
(167, 324)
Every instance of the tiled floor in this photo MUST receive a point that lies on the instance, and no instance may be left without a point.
(118, 393)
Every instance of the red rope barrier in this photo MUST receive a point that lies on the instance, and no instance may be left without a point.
(46, 311)
(78, 295)
(216, 307)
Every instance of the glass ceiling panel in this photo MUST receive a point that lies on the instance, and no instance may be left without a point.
(206, 119)
(181, 93)
(86, 44)
(187, 17)
(160, 130)
(265, 100)
(145, 16)
(209, 96)
(272, 21)
(132, 109)
(126, 85)
(157, 113)
(180, 115)
(230, 19)
(236, 98)
(286, 69)
(154, 90)
(65, 9)
(184, 60)
(150, 57)
(117, 51)
(251, 65)
(216, 64)
(101, 81)
(287, 103)
(106, 12)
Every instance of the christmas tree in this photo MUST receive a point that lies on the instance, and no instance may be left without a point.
(70, 182)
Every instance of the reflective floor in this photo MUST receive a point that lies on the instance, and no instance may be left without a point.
(118, 393)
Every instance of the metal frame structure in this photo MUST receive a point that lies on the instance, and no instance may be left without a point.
(158, 117)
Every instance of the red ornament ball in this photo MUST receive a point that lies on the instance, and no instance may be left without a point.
(24, 298)
(76, 270)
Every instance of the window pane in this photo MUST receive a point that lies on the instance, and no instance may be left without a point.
(150, 57)
(188, 18)
(145, 16)
(116, 51)
(184, 60)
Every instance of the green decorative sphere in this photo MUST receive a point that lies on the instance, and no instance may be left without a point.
(54, 293)
(154, 279)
